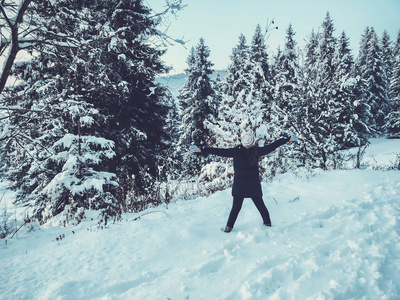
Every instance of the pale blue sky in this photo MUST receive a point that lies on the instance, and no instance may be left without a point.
(220, 22)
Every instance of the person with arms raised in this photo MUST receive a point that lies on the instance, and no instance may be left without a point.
(246, 182)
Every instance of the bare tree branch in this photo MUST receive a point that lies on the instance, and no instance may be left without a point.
(13, 43)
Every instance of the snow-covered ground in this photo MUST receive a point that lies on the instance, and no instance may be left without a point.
(335, 235)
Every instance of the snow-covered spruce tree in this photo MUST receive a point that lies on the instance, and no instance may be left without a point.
(261, 80)
(136, 105)
(311, 55)
(58, 154)
(103, 107)
(392, 125)
(57, 158)
(276, 63)
(286, 92)
(370, 68)
(327, 119)
(238, 69)
(387, 56)
(396, 47)
(169, 163)
(362, 108)
(347, 131)
(316, 124)
(284, 110)
(197, 104)
(248, 97)
(307, 83)
(213, 174)
(248, 80)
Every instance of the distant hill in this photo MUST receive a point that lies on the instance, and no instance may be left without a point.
(177, 81)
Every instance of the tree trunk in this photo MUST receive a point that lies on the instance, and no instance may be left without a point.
(14, 43)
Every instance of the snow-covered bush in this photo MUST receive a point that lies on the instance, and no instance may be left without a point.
(80, 183)
(216, 176)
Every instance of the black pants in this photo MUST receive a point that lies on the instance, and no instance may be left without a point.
(237, 205)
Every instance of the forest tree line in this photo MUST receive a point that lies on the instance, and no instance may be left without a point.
(334, 100)
(85, 125)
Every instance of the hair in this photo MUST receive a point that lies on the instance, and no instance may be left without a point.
(252, 155)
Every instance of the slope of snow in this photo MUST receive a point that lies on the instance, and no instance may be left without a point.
(335, 235)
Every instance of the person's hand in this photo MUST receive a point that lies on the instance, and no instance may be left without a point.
(194, 149)
(293, 138)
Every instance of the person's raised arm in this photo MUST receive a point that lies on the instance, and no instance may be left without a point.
(271, 147)
(229, 152)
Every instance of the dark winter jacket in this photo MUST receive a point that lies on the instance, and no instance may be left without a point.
(246, 182)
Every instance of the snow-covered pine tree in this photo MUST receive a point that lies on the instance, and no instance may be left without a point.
(170, 164)
(387, 56)
(362, 108)
(307, 87)
(249, 73)
(104, 113)
(326, 68)
(248, 87)
(328, 120)
(396, 47)
(261, 80)
(276, 63)
(218, 87)
(226, 131)
(59, 158)
(347, 128)
(261, 73)
(238, 69)
(392, 125)
(136, 105)
(370, 68)
(317, 100)
(197, 104)
(285, 108)
(311, 56)
(286, 92)
(247, 101)
(392, 120)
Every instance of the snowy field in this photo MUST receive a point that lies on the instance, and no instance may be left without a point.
(335, 235)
